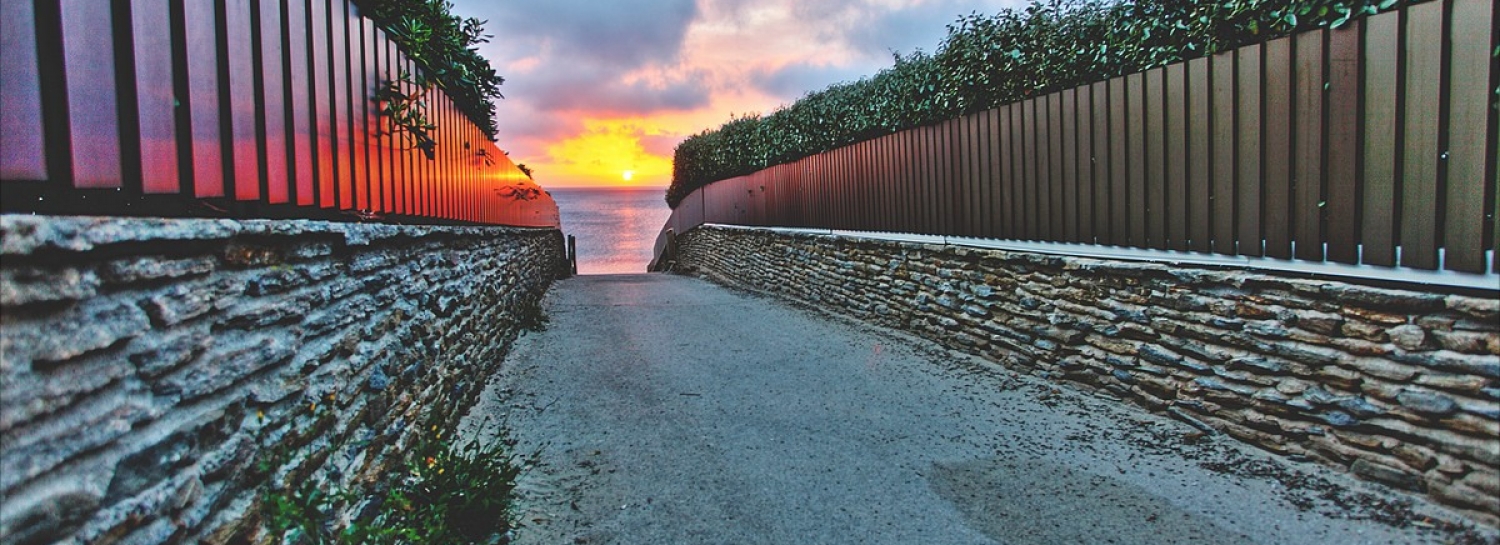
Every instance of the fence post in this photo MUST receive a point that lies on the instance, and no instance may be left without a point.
(573, 254)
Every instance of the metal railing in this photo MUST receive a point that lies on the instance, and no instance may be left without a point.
(241, 108)
(1372, 145)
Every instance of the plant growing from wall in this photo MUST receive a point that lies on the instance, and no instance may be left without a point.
(443, 45)
(401, 104)
(992, 60)
(443, 493)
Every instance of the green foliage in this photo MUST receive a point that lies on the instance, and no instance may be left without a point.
(443, 45)
(401, 103)
(448, 494)
(992, 60)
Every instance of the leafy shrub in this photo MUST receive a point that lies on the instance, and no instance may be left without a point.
(448, 494)
(443, 45)
(991, 60)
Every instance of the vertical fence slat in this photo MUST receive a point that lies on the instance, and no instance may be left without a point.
(1041, 175)
(1086, 166)
(202, 101)
(1103, 158)
(154, 96)
(23, 152)
(1419, 176)
(245, 148)
(1377, 226)
(1176, 159)
(1277, 152)
(338, 43)
(93, 117)
(374, 153)
(1307, 145)
(1468, 119)
(1223, 123)
(273, 115)
(358, 108)
(1014, 172)
(323, 103)
(1069, 135)
(890, 203)
(948, 177)
(1031, 205)
(994, 209)
(391, 70)
(1156, 183)
(1119, 169)
(1344, 169)
(1135, 160)
(1054, 169)
(927, 151)
(1247, 151)
(301, 138)
(977, 180)
(1200, 140)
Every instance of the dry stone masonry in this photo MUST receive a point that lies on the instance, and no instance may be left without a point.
(158, 375)
(1396, 386)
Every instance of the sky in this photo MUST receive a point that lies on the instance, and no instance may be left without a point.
(599, 93)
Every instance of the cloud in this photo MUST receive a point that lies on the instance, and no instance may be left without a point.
(605, 90)
(622, 33)
(655, 71)
(795, 80)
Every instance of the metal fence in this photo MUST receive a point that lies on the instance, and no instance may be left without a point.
(232, 107)
(1371, 144)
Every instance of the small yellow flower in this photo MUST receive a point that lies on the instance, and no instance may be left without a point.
(431, 461)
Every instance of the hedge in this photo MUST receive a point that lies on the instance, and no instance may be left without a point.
(991, 60)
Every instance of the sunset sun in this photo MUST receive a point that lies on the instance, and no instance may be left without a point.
(628, 175)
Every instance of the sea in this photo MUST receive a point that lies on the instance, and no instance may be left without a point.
(616, 228)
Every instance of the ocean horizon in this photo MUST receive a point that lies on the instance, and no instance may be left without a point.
(616, 227)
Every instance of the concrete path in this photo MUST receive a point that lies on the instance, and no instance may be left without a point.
(666, 409)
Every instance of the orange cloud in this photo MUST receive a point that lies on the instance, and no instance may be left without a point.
(603, 153)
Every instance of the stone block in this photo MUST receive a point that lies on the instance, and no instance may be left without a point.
(183, 302)
(226, 367)
(1325, 323)
(161, 355)
(1380, 298)
(1361, 329)
(1392, 476)
(1468, 342)
(154, 268)
(1479, 308)
(26, 285)
(1427, 403)
(1408, 336)
(1453, 362)
(59, 335)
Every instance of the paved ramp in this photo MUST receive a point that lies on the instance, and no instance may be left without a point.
(670, 410)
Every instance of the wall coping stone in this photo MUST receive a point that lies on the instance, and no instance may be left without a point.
(24, 235)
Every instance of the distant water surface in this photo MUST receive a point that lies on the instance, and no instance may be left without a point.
(616, 227)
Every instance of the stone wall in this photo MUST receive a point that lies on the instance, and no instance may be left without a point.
(159, 375)
(1400, 387)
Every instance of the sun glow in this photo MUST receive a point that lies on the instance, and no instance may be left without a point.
(609, 153)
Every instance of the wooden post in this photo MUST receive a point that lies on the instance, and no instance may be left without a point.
(573, 254)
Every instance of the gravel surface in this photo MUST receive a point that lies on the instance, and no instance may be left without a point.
(666, 409)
